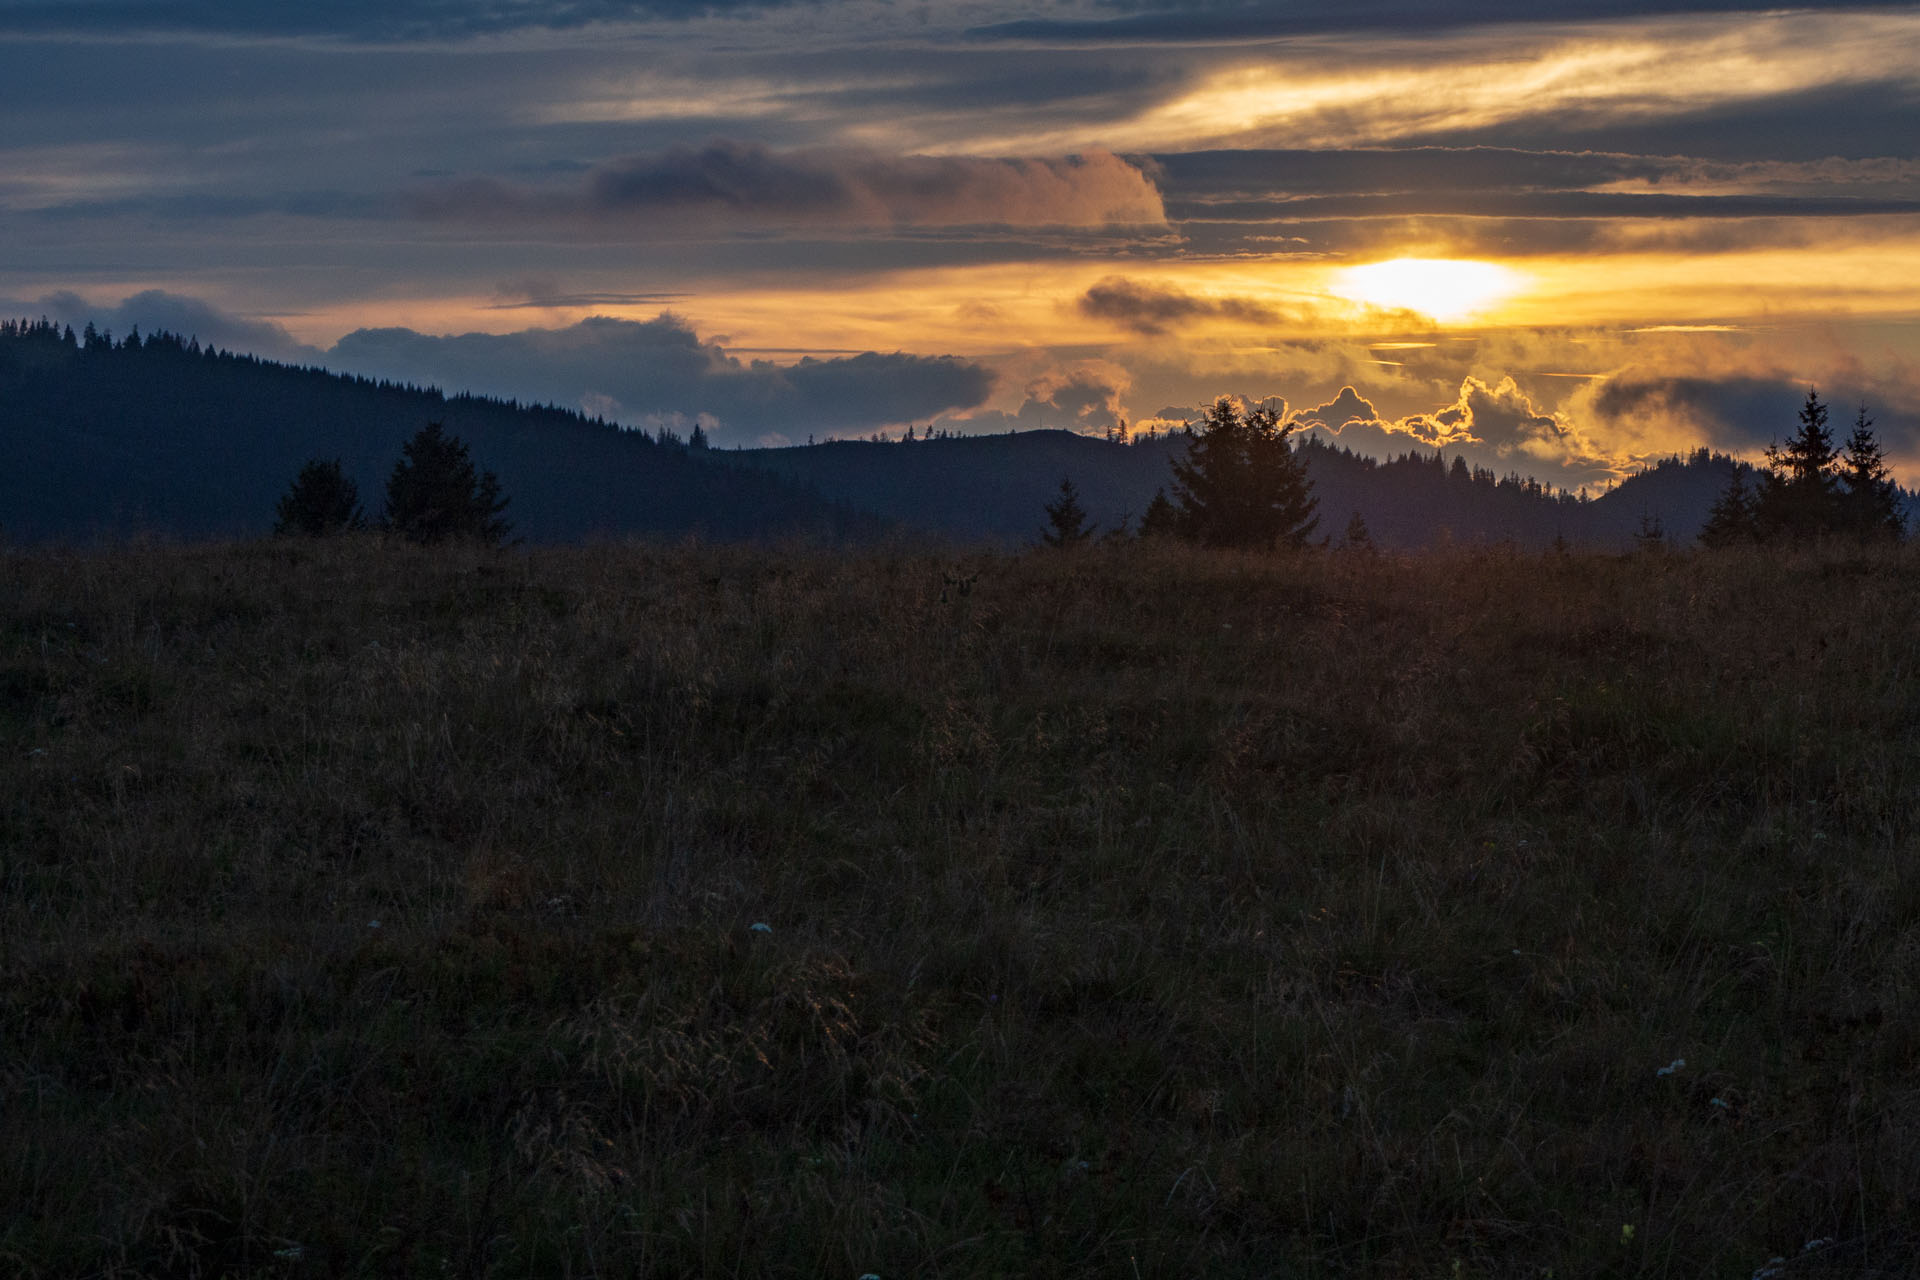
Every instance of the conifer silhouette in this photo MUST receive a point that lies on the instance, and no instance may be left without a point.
(1798, 494)
(322, 500)
(1241, 485)
(1730, 522)
(1160, 520)
(434, 495)
(1357, 537)
(1066, 520)
(1870, 503)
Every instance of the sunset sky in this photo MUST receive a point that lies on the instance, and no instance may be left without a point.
(1561, 237)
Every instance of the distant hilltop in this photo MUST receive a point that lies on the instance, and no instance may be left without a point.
(160, 436)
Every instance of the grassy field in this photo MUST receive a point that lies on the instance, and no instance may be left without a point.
(626, 911)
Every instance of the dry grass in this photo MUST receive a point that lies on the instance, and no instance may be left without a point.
(1130, 912)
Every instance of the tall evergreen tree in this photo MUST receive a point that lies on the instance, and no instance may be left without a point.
(322, 500)
(1066, 519)
(1870, 504)
(1799, 494)
(434, 494)
(1730, 523)
(1241, 484)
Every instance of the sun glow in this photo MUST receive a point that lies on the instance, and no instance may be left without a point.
(1444, 288)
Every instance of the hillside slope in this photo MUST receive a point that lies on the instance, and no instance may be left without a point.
(161, 437)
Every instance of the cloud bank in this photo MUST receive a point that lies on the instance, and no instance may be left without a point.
(660, 370)
(1150, 309)
(744, 183)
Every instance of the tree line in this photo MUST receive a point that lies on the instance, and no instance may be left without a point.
(433, 495)
(1811, 489)
(1242, 483)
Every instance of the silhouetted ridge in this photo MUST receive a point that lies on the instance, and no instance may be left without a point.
(156, 434)
(996, 488)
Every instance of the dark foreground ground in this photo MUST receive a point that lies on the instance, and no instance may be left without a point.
(366, 911)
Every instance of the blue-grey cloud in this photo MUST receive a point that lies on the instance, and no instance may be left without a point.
(1747, 412)
(1346, 408)
(661, 370)
(1496, 422)
(1545, 204)
(1085, 398)
(1210, 21)
(1200, 178)
(391, 19)
(1152, 309)
(1239, 174)
(745, 183)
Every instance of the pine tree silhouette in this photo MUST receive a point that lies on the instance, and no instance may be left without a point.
(1870, 504)
(322, 500)
(1066, 520)
(1798, 499)
(1730, 522)
(434, 495)
(1241, 484)
(1357, 536)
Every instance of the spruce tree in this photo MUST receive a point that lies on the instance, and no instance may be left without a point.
(1066, 520)
(1799, 495)
(1241, 484)
(1358, 537)
(1160, 520)
(434, 494)
(1870, 503)
(322, 500)
(1730, 523)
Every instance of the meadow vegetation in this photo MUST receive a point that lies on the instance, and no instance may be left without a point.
(1142, 910)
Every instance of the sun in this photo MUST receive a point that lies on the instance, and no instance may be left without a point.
(1443, 288)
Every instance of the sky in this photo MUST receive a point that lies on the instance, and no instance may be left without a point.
(1562, 237)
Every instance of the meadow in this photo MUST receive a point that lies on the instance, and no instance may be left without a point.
(716, 911)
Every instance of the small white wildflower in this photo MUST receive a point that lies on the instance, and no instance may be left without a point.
(1671, 1067)
(760, 927)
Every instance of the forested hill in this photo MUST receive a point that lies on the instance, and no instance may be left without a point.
(106, 439)
(995, 488)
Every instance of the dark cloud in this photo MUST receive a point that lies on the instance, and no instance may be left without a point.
(1346, 408)
(1786, 125)
(1205, 175)
(1493, 423)
(1153, 309)
(1735, 412)
(747, 183)
(393, 19)
(1543, 204)
(1743, 413)
(660, 370)
(1210, 21)
(1085, 398)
